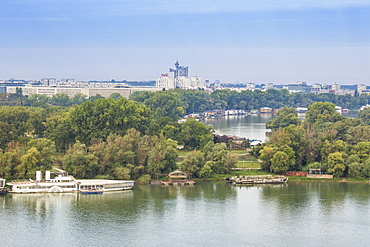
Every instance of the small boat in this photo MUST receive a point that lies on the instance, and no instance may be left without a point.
(3, 191)
(86, 192)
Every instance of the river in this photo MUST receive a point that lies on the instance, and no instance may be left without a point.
(207, 214)
(252, 127)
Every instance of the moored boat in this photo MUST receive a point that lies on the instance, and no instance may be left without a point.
(63, 183)
(86, 192)
(262, 179)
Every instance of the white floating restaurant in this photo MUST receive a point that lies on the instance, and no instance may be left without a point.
(62, 182)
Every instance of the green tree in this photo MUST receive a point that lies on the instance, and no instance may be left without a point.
(193, 162)
(222, 159)
(163, 156)
(29, 163)
(206, 170)
(79, 162)
(17, 117)
(47, 151)
(362, 149)
(122, 173)
(321, 110)
(59, 130)
(115, 96)
(266, 155)
(95, 120)
(61, 99)
(165, 104)
(336, 164)
(355, 170)
(79, 98)
(280, 162)
(194, 134)
(7, 134)
(364, 115)
(284, 117)
(39, 100)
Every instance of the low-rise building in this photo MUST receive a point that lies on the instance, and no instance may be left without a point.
(71, 91)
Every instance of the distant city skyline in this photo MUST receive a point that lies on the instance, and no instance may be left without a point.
(234, 41)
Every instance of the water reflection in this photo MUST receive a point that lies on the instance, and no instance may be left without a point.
(207, 214)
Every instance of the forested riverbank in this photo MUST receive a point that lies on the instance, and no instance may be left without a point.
(325, 141)
(139, 138)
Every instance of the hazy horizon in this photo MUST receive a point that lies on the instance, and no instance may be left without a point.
(235, 41)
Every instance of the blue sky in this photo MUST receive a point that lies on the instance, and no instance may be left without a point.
(260, 41)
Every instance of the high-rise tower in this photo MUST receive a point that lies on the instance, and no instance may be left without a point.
(179, 70)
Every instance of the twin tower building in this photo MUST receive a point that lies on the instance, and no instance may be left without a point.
(179, 79)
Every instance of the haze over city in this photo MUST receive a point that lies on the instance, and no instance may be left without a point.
(231, 41)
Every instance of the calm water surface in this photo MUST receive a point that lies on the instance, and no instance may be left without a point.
(208, 214)
(252, 127)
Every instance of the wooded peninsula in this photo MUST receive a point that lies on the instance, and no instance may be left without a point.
(139, 138)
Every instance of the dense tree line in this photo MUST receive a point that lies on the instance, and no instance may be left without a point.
(44, 101)
(191, 101)
(324, 140)
(112, 138)
(83, 130)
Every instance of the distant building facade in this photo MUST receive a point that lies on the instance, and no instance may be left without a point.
(180, 79)
(361, 88)
(88, 91)
(179, 70)
(299, 87)
(165, 82)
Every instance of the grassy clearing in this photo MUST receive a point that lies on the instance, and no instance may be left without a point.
(182, 153)
(239, 173)
(245, 159)
(242, 164)
(239, 151)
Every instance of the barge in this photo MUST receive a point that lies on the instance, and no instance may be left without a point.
(262, 179)
(177, 182)
(64, 183)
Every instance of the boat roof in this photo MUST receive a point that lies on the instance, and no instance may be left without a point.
(101, 181)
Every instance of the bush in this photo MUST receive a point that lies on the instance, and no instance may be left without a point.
(144, 179)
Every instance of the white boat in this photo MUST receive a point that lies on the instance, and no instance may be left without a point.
(63, 183)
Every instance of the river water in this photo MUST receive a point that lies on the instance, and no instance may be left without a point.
(207, 214)
(252, 127)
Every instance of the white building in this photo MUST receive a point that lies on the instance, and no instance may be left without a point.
(251, 86)
(182, 82)
(165, 82)
(361, 88)
(335, 87)
(49, 82)
(197, 82)
(88, 91)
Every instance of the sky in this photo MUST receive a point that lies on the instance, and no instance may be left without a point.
(234, 41)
